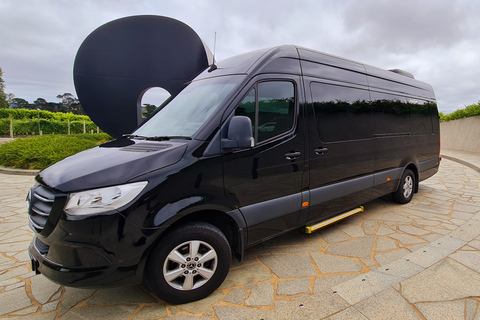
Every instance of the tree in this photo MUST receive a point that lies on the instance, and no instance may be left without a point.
(19, 103)
(68, 101)
(3, 97)
(148, 110)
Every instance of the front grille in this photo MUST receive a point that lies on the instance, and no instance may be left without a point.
(40, 202)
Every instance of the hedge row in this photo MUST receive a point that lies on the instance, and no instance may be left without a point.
(29, 126)
(469, 111)
(26, 122)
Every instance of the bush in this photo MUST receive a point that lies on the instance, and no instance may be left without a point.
(469, 111)
(40, 152)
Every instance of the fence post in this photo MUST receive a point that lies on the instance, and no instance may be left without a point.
(11, 128)
(84, 127)
(98, 130)
(68, 125)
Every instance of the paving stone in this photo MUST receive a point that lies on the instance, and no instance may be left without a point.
(14, 300)
(248, 274)
(348, 314)
(49, 307)
(431, 237)
(292, 287)
(387, 304)
(428, 256)
(333, 235)
(393, 217)
(414, 231)
(104, 313)
(290, 265)
(387, 257)
(237, 313)
(333, 264)
(385, 244)
(261, 295)
(442, 310)
(369, 262)
(25, 311)
(14, 247)
(475, 244)
(236, 296)
(466, 208)
(470, 308)
(406, 239)
(469, 259)
(446, 280)
(352, 230)
(400, 268)
(72, 296)
(448, 243)
(315, 306)
(468, 231)
(200, 306)
(121, 295)
(13, 273)
(151, 313)
(369, 224)
(365, 286)
(383, 230)
(42, 288)
(15, 286)
(359, 248)
(424, 222)
(327, 282)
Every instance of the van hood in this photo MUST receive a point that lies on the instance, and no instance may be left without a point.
(113, 163)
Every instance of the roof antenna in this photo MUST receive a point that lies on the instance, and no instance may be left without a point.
(213, 66)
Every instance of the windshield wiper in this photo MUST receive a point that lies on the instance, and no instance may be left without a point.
(163, 138)
(133, 136)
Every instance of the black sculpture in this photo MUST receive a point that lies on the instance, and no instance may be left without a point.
(122, 59)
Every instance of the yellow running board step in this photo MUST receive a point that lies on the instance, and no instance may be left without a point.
(322, 224)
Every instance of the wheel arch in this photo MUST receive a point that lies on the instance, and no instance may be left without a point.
(221, 220)
(414, 169)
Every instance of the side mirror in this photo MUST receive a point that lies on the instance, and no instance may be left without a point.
(239, 133)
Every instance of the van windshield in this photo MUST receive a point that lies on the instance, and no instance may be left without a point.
(189, 110)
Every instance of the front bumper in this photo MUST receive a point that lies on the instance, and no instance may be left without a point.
(90, 270)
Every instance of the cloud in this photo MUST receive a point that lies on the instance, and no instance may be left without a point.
(438, 41)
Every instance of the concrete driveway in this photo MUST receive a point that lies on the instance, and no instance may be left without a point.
(414, 261)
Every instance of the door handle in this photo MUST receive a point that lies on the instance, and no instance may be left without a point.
(321, 150)
(293, 155)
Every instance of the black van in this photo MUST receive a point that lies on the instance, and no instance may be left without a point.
(265, 143)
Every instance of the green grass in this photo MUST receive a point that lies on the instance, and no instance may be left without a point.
(40, 152)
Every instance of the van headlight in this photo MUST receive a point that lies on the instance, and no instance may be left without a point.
(101, 200)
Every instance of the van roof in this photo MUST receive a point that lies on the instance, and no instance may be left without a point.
(284, 59)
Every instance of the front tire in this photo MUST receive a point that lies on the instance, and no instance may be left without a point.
(189, 263)
(406, 188)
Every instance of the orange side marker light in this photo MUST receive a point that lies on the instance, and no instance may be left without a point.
(305, 204)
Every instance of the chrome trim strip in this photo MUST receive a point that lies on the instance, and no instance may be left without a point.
(39, 212)
(39, 197)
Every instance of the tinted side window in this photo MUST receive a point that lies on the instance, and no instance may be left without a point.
(421, 115)
(391, 114)
(271, 107)
(341, 113)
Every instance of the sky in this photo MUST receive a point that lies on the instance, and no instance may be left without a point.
(437, 41)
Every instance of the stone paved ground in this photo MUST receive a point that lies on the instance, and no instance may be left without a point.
(414, 261)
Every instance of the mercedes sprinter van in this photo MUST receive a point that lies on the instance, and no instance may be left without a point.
(256, 146)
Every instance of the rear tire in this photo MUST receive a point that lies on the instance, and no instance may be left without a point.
(406, 188)
(189, 263)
